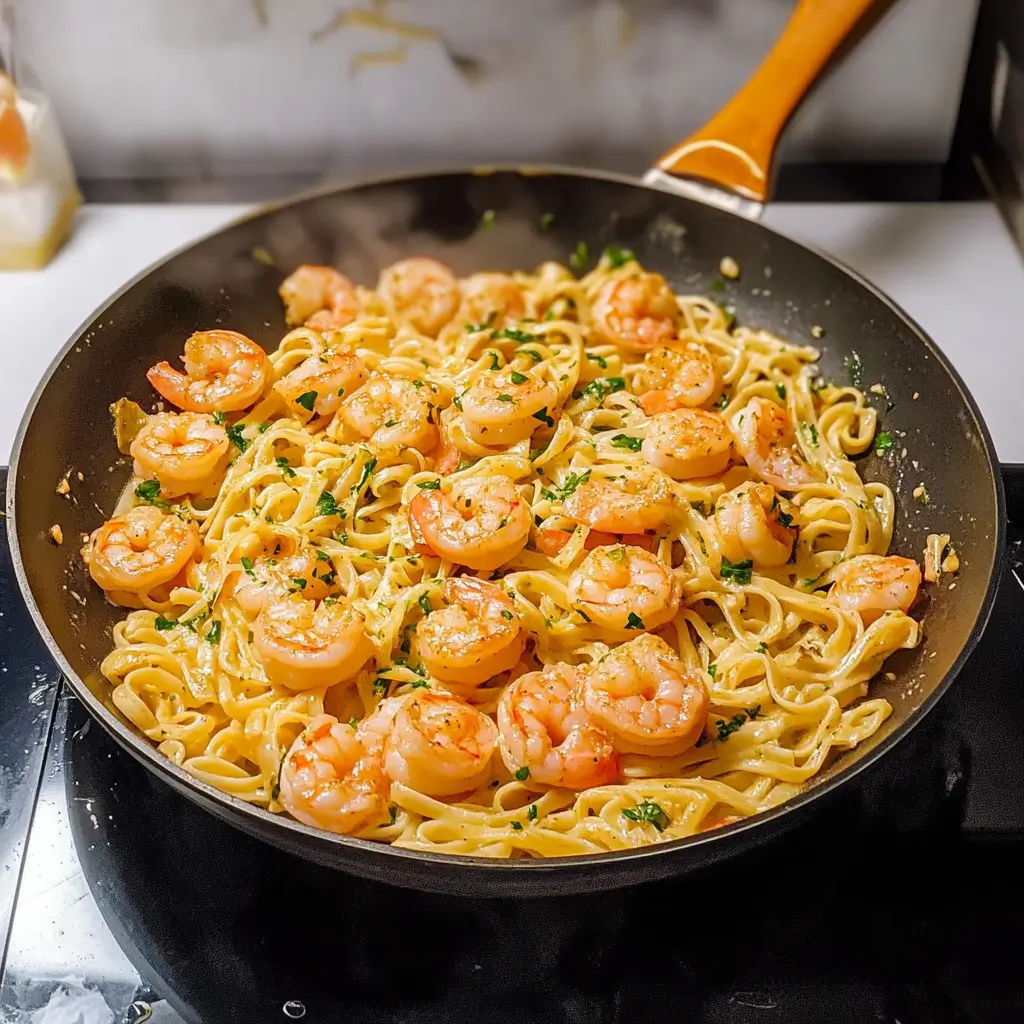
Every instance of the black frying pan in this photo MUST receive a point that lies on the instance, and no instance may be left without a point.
(784, 287)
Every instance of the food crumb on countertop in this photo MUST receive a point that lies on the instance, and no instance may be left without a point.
(56, 534)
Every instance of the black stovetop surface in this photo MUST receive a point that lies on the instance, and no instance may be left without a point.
(902, 901)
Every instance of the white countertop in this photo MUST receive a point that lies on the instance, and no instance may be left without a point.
(953, 267)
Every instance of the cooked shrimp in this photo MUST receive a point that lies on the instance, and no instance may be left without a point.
(637, 312)
(331, 779)
(646, 698)
(420, 292)
(321, 382)
(482, 522)
(678, 375)
(504, 406)
(491, 299)
(319, 297)
(544, 728)
(439, 745)
(753, 524)
(688, 443)
(140, 550)
(636, 501)
(766, 440)
(184, 451)
(625, 587)
(224, 372)
(392, 414)
(875, 584)
(475, 636)
(304, 645)
(269, 578)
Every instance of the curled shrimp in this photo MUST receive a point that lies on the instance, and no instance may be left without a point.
(439, 745)
(475, 635)
(483, 522)
(305, 646)
(637, 312)
(318, 384)
(678, 375)
(392, 413)
(874, 584)
(140, 550)
(224, 372)
(688, 443)
(268, 578)
(753, 524)
(421, 292)
(506, 406)
(624, 587)
(636, 501)
(332, 779)
(544, 728)
(646, 698)
(319, 297)
(491, 299)
(766, 440)
(184, 451)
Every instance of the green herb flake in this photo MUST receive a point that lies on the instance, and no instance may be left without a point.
(617, 554)
(506, 614)
(220, 418)
(721, 402)
(601, 387)
(368, 469)
(247, 565)
(542, 415)
(297, 583)
(522, 774)
(353, 722)
(285, 467)
(163, 624)
(512, 334)
(616, 257)
(634, 621)
(810, 432)
(753, 712)
(148, 491)
(762, 648)
(647, 813)
(235, 437)
(884, 442)
(518, 378)
(580, 256)
(213, 636)
(326, 505)
(517, 826)
(738, 572)
(495, 362)
(392, 814)
(780, 390)
(632, 444)
(429, 485)
(534, 355)
(712, 670)
(726, 729)
(532, 812)
(424, 603)
(307, 400)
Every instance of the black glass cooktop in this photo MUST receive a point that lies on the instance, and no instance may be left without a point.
(900, 902)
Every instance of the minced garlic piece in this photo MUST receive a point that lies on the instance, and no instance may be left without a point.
(729, 268)
(56, 534)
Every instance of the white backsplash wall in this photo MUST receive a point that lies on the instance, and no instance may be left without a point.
(201, 88)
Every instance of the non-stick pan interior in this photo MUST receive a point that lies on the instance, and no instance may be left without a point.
(505, 220)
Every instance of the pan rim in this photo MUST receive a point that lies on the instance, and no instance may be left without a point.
(144, 752)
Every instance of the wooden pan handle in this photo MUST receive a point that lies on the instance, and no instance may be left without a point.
(734, 150)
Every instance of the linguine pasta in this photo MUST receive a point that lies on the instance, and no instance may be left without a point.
(785, 665)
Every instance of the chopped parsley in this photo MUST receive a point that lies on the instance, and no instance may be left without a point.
(617, 554)
(213, 636)
(810, 432)
(353, 722)
(716, 284)
(542, 415)
(247, 566)
(572, 481)
(429, 485)
(326, 505)
(285, 467)
(712, 669)
(647, 813)
(380, 687)
(601, 387)
(220, 418)
(762, 648)
(322, 556)
(506, 614)
(634, 621)
(164, 624)
(726, 729)
(517, 826)
(580, 256)
(884, 442)
(235, 437)
(721, 402)
(513, 335)
(495, 364)
(368, 469)
(738, 572)
(784, 518)
(518, 378)
(297, 583)
(532, 812)
(505, 398)
(522, 774)
(616, 257)
(424, 603)
(753, 712)
(632, 444)
(392, 814)
(780, 390)
(535, 356)
(149, 491)
(600, 360)
(307, 399)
